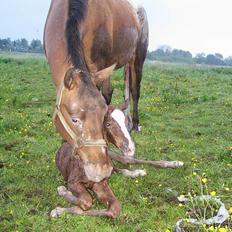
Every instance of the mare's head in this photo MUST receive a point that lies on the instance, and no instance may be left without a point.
(85, 121)
(79, 117)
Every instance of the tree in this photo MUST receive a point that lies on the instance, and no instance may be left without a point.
(214, 60)
(228, 61)
(5, 44)
(36, 46)
(200, 58)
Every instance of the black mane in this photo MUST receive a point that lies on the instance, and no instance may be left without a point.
(76, 14)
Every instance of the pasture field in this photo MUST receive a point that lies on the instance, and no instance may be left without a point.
(185, 114)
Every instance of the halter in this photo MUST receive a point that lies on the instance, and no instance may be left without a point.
(72, 134)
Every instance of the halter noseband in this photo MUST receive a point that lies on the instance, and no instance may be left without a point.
(58, 113)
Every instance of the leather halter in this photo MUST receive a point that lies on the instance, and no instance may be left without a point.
(72, 134)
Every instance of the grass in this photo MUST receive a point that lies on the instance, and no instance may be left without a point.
(185, 114)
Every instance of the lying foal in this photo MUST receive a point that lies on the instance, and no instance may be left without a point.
(78, 184)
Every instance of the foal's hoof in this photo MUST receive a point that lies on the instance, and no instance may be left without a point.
(61, 190)
(57, 212)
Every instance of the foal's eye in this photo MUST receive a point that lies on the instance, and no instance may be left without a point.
(108, 124)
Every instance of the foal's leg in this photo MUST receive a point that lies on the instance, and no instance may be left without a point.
(76, 194)
(159, 164)
(105, 195)
(82, 199)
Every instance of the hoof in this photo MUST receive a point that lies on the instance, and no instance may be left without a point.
(137, 128)
(61, 190)
(57, 212)
(141, 172)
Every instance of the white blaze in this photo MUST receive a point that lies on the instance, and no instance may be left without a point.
(119, 117)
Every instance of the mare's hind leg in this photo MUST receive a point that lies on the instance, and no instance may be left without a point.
(136, 68)
(107, 90)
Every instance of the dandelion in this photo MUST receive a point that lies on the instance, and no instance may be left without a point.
(213, 193)
(204, 180)
(222, 229)
(211, 228)
(230, 210)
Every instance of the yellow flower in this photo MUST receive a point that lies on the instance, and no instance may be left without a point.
(230, 210)
(211, 228)
(222, 229)
(182, 196)
(167, 230)
(204, 180)
(213, 193)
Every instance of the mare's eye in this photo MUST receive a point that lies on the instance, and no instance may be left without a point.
(74, 120)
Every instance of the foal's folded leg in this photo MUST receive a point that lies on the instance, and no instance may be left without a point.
(107, 197)
(82, 199)
(104, 194)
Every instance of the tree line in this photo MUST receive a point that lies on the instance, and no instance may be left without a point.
(21, 45)
(165, 53)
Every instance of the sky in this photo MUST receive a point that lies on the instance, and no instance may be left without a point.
(193, 25)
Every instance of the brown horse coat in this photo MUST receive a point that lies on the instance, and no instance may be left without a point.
(109, 35)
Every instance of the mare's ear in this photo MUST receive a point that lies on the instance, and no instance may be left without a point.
(70, 79)
(103, 74)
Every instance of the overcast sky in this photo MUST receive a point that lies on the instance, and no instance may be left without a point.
(194, 25)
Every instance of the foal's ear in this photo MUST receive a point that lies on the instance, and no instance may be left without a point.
(70, 79)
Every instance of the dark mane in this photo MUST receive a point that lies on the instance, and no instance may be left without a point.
(76, 14)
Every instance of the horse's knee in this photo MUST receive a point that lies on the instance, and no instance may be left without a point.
(86, 202)
(115, 209)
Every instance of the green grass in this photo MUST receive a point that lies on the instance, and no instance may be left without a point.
(185, 114)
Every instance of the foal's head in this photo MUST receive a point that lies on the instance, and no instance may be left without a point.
(117, 133)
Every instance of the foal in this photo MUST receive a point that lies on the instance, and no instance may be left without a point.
(78, 185)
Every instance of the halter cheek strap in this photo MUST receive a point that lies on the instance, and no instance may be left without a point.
(78, 141)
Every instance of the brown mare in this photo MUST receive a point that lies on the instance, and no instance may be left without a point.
(84, 41)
